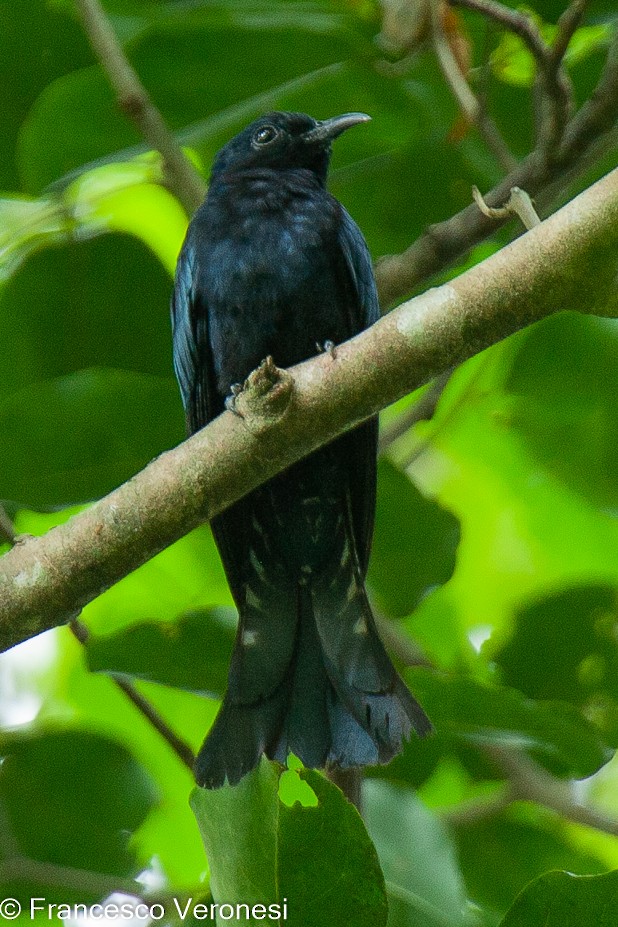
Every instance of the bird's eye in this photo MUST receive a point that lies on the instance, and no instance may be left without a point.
(265, 135)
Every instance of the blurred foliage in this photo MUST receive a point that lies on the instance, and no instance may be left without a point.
(497, 522)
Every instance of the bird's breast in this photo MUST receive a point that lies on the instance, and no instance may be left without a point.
(268, 272)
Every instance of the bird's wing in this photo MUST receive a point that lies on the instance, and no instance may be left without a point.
(358, 262)
(192, 355)
(364, 310)
(194, 368)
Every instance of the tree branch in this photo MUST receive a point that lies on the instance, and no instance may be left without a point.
(468, 102)
(554, 85)
(182, 750)
(569, 261)
(445, 242)
(530, 782)
(567, 24)
(7, 531)
(24, 869)
(598, 115)
(134, 100)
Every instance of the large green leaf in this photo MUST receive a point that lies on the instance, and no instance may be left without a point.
(561, 899)
(318, 859)
(73, 799)
(418, 858)
(478, 714)
(75, 438)
(500, 855)
(414, 544)
(38, 44)
(190, 653)
(99, 303)
(565, 411)
(564, 647)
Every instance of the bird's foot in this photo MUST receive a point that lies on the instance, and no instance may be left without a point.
(327, 347)
(230, 402)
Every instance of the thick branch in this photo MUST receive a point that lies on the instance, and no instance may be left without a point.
(569, 261)
(134, 100)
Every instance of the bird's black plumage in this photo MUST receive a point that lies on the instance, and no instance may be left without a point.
(273, 265)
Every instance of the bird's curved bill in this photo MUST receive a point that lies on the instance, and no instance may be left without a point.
(329, 129)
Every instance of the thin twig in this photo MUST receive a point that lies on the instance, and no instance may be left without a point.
(181, 749)
(135, 102)
(421, 411)
(33, 871)
(469, 813)
(398, 643)
(567, 24)
(555, 90)
(598, 114)
(514, 21)
(518, 204)
(468, 102)
(530, 782)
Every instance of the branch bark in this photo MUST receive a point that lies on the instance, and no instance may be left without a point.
(541, 177)
(570, 261)
(135, 102)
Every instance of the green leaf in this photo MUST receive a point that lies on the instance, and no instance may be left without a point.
(565, 412)
(319, 861)
(74, 799)
(191, 653)
(564, 647)
(75, 438)
(415, 541)
(561, 899)
(125, 196)
(418, 858)
(99, 303)
(525, 842)
(586, 41)
(38, 45)
(474, 713)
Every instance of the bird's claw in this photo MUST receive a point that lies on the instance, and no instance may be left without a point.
(230, 402)
(327, 347)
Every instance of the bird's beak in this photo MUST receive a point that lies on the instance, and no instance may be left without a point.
(329, 129)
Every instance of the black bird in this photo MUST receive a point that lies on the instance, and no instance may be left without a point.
(272, 264)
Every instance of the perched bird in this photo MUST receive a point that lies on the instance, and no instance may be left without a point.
(272, 264)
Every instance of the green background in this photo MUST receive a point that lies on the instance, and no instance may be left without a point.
(496, 535)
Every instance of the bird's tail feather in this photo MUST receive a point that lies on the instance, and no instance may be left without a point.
(339, 700)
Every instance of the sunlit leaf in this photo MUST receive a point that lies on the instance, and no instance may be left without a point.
(561, 899)
(263, 852)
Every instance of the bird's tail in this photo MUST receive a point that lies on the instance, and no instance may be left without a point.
(314, 681)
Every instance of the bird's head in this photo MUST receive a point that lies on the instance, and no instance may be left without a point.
(281, 141)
